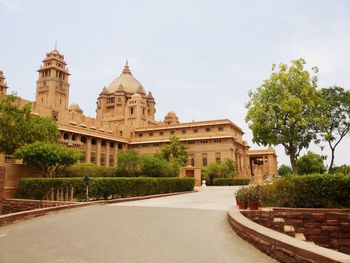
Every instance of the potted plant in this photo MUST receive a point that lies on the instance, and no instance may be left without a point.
(242, 198)
(253, 197)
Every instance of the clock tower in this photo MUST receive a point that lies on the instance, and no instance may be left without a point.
(52, 86)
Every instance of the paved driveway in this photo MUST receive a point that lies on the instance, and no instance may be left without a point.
(177, 229)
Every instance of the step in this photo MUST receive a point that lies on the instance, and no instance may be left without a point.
(300, 236)
(288, 228)
(278, 220)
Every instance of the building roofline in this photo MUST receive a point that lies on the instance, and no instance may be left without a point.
(183, 139)
(189, 124)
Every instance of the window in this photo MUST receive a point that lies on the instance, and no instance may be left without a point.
(150, 134)
(93, 157)
(102, 159)
(192, 159)
(103, 143)
(207, 129)
(83, 139)
(93, 141)
(183, 131)
(161, 133)
(65, 136)
(131, 110)
(140, 134)
(172, 132)
(111, 160)
(195, 130)
(111, 144)
(218, 158)
(204, 159)
(9, 158)
(55, 115)
(221, 128)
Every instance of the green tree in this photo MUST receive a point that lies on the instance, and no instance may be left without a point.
(335, 122)
(175, 148)
(310, 163)
(154, 167)
(129, 163)
(226, 169)
(49, 158)
(19, 127)
(284, 170)
(282, 110)
(343, 169)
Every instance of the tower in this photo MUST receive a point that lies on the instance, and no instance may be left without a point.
(3, 85)
(52, 86)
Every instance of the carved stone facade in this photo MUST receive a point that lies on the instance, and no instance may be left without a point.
(125, 118)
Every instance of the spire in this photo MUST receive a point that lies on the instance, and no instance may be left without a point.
(126, 69)
(55, 44)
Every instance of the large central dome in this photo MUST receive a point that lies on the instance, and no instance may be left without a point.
(127, 81)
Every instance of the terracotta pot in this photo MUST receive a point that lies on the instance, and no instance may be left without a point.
(242, 204)
(254, 205)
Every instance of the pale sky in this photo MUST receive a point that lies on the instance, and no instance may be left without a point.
(199, 58)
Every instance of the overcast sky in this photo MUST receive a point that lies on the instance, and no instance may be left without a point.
(199, 58)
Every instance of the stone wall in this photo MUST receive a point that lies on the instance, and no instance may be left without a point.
(20, 205)
(328, 228)
(12, 173)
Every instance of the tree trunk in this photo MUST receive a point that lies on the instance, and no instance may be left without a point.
(332, 161)
(293, 160)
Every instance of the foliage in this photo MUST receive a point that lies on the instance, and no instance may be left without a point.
(129, 163)
(226, 169)
(284, 170)
(343, 169)
(38, 188)
(99, 188)
(19, 127)
(314, 190)
(49, 158)
(175, 148)
(154, 167)
(251, 193)
(282, 110)
(230, 181)
(335, 122)
(88, 169)
(310, 163)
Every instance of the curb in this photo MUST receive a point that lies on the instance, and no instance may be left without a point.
(280, 246)
(12, 218)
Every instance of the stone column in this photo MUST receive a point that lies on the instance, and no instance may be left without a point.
(98, 152)
(107, 154)
(88, 150)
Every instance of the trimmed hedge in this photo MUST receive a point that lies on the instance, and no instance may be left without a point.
(314, 191)
(230, 181)
(37, 188)
(89, 169)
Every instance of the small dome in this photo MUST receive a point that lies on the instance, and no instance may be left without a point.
(171, 118)
(130, 84)
(75, 107)
(136, 96)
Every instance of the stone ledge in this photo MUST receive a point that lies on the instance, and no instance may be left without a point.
(19, 216)
(280, 246)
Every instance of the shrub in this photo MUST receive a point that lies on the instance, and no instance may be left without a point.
(315, 190)
(89, 169)
(230, 181)
(226, 169)
(284, 170)
(37, 188)
(310, 163)
(129, 164)
(343, 169)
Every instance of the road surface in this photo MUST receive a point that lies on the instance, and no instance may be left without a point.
(177, 229)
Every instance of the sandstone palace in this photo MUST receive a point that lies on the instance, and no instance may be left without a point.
(125, 119)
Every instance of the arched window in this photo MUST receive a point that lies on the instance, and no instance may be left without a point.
(205, 161)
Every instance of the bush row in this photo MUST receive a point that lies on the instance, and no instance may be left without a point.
(230, 181)
(37, 188)
(313, 191)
